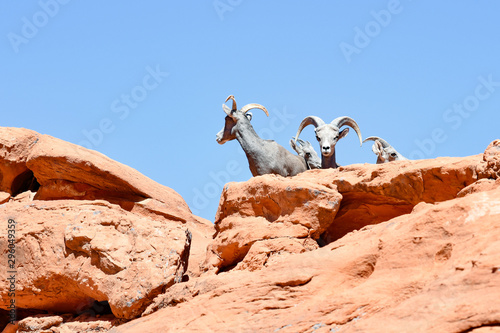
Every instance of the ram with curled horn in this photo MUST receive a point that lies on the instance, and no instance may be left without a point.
(384, 151)
(328, 135)
(264, 156)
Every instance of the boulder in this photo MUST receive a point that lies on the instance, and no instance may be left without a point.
(68, 171)
(15, 145)
(69, 254)
(318, 207)
(89, 229)
(64, 324)
(373, 193)
(408, 246)
(482, 185)
(435, 269)
(266, 210)
(492, 158)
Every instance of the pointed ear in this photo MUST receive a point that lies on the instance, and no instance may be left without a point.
(249, 115)
(298, 149)
(377, 148)
(343, 133)
(227, 110)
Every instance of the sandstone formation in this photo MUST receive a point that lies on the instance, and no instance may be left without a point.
(434, 268)
(71, 253)
(265, 211)
(64, 324)
(325, 205)
(89, 229)
(408, 246)
(377, 192)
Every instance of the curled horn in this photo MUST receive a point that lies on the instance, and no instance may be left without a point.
(311, 120)
(251, 106)
(302, 142)
(341, 121)
(234, 108)
(384, 143)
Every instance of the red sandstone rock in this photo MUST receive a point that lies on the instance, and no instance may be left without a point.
(328, 203)
(15, 145)
(481, 185)
(406, 247)
(68, 171)
(373, 193)
(4, 197)
(201, 231)
(433, 270)
(430, 267)
(267, 209)
(70, 253)
(64, 324)
(129, 240)
(38, 323)
(492, 158)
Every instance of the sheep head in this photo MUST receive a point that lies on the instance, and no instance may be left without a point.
(329, 134)
(235, 116)
(385, 152)
(305, 150)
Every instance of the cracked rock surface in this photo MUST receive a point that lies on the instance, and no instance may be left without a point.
(89, 229)
(408, 246)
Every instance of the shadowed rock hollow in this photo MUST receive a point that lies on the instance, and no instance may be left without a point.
(409, 246)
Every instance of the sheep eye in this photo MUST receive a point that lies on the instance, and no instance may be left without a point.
(308, 154)
(317, 137)
(393, 154)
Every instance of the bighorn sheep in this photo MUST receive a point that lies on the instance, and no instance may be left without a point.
(305, 150)
(328, 135)
(384, 151)
(264, 156)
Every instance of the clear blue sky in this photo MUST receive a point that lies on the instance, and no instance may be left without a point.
(146, 80)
